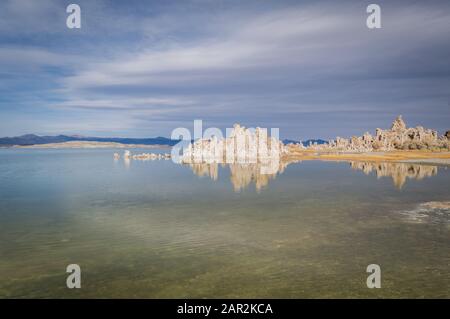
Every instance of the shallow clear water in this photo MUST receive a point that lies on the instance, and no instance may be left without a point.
(154, 229)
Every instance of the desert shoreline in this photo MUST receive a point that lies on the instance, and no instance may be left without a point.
(405, 156)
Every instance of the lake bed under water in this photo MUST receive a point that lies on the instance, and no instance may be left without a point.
(155, 229)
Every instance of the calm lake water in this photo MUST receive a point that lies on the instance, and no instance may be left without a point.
(154, 229)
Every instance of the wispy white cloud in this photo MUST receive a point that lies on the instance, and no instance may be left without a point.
(124, 103)
(177, 63)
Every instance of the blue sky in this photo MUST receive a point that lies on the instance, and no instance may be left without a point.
(142, 68)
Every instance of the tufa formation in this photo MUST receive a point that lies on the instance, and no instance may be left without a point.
(399, 137)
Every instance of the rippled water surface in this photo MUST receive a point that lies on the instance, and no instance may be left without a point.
(154, 229)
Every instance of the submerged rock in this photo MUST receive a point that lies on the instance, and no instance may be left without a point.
(437, 205)
(429, 212)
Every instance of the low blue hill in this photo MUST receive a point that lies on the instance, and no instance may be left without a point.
(31, 139)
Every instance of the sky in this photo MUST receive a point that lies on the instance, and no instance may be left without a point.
(313, 69)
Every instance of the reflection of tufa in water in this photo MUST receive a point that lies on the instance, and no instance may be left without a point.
(398, 171)
(242, 175)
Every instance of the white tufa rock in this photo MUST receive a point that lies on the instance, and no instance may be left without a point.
(242, 146)
(399, 137)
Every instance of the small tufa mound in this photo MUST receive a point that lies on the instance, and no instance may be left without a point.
(143, 157)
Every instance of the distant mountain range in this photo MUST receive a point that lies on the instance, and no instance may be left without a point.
(32, 139)
(305, 143)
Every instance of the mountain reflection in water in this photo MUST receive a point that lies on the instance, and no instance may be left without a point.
(243, 175)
